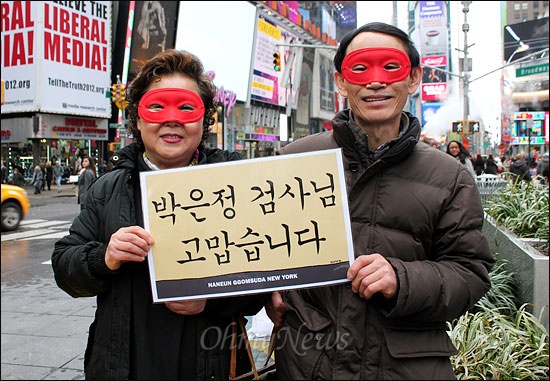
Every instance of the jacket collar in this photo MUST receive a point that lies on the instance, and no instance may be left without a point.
(130, 157)
(393, 151)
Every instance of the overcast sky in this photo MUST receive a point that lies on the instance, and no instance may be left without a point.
(220, 34)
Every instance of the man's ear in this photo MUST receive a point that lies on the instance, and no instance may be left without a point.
(416, 78)
(339, 80)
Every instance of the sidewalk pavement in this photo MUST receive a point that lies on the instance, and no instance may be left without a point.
(44, 331)
(67, 190)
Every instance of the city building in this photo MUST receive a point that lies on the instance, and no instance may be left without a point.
(525, 85)
(56, 67)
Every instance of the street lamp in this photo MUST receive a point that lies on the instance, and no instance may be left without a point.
(521, 48)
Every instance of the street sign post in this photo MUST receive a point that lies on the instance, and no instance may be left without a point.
(530, 70)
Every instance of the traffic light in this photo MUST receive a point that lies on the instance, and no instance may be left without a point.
(277, 61)
(473, 126)
(118, 94)
(458, 127)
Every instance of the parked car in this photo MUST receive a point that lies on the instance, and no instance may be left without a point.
(15, 206)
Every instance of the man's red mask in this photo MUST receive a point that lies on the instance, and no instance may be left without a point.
(385, 65)
(171, 105)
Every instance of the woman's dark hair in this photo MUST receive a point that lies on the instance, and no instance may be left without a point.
(171, 61)
(378, 27)
(463, 154)
(91, 166)
(479, 159)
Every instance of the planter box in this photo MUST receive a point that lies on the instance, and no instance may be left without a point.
(530, 267)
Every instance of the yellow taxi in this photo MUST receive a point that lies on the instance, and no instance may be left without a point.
(15, 206)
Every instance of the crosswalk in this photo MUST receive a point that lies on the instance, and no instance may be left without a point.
(38, 229)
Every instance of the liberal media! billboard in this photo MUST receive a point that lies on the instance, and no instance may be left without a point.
(56, 57)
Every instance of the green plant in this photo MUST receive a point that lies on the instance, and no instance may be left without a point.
(497, 340)
(523, 208)
(502, 296)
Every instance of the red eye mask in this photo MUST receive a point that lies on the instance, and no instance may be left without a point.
(385, 65)
(171, 105)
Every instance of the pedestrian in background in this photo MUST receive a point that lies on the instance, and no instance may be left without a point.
(77, 165)
(37, 179)
(431, 142)
(43, 169)
(543, 161)
(545, 175)
(170, 114)
(4, 173)
(491, 167)
(479, 165)
(18, 178)
(85, 178)
(460, 153)
(49, 174)
(519, 169)
(58, 175)
(421, 258)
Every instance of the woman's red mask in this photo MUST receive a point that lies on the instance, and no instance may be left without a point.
(384, 65)
(171, 105)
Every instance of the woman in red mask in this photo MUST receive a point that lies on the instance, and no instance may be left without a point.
(170, 112)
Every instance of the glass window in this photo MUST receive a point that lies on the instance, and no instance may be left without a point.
(535, 4)
(524, 6)
(517, 7)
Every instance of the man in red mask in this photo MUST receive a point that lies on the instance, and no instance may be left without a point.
(421, 258)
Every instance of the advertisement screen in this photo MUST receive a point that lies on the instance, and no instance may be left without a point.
(276, 86)
(154, 30)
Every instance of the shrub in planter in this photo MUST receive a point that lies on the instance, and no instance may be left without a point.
(496, 339)
(523, 209)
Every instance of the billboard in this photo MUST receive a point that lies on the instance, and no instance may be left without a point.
(153, 31)
(434, 78)
(429, 110)
(323, 92)
(276, 87)
(532, 33)
(433, 44)
(56, 57)
(433, 27)
(519, 124)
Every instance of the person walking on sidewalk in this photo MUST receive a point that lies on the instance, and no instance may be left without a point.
(58, 175)
(49, 174)
(18, 177)
(85, 179)
(4, 174)
(43, 169)
(37, 179)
